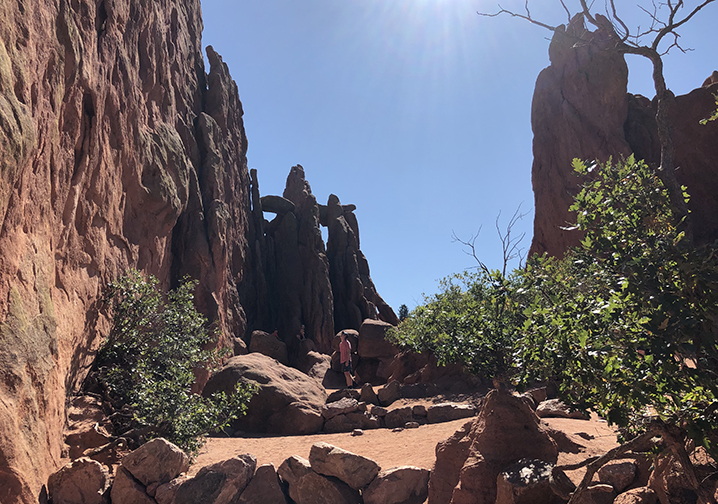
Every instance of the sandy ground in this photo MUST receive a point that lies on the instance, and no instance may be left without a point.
(414, 447)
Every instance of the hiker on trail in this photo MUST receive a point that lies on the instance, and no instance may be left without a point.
(345, 354)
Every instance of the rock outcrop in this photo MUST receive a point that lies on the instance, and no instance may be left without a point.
(299, 282)
(581, 109)
(118, 150)
(468, 464)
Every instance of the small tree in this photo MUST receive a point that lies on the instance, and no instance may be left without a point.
(403, 312)
(147, 363)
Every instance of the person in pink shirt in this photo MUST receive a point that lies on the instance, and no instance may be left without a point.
(345, 354)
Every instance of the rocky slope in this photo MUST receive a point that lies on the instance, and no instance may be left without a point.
(581, 109)
(117, 150)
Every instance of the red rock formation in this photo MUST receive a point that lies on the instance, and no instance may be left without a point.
(117, 151)
(581, 109)
(114, 154)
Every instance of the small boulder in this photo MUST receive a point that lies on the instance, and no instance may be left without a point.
(300, 417)
(642, 495)
(418, 410)
(165, 494)
(340, 407)
(354, 470)
(412, 425)
(368, 395)
(269, 345)
(447, 412)
(127, 490)
(379, 411)
(399, 485)
(398, 417)
(597, 494)
(357, 432)
(307, 487)
(264, 488)
(83, 481)
(526, 482)
(351, 421)
(618, 474)
(342, 393)
(219, 483)
(555, 408)
(389, 393)
(157, 461)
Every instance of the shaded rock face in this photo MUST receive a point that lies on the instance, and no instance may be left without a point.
(298, 281)
(117, 151)
(581, 109)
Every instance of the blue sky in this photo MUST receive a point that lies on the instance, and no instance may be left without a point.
(416, 111)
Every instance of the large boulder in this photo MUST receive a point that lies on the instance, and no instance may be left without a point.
(269, 345)
(83, 481)
(220, 483)
(372, 340)
(157, 461)
(279, 387)
(399, 485)
(307, 487)
(505, 431)
(354, 470)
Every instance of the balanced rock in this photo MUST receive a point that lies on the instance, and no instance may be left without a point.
(83, 481)
(399, 485)
(276, 204)
(278, 386)
(354, 470)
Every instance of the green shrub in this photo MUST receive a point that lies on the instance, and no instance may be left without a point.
(624, 324)
(147, 363)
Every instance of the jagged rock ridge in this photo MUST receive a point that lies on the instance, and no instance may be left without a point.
(581, 109)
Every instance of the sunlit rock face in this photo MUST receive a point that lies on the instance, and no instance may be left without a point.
(116, 151)
(581, 109)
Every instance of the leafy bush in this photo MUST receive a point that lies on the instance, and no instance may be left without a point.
(472, 320)
(625, 324)
(147, 363)
(626, 321)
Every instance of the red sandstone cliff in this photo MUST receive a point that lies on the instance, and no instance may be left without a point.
(581, 109)
(118, 150)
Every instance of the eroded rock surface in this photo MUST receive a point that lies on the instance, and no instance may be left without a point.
(581, 109)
